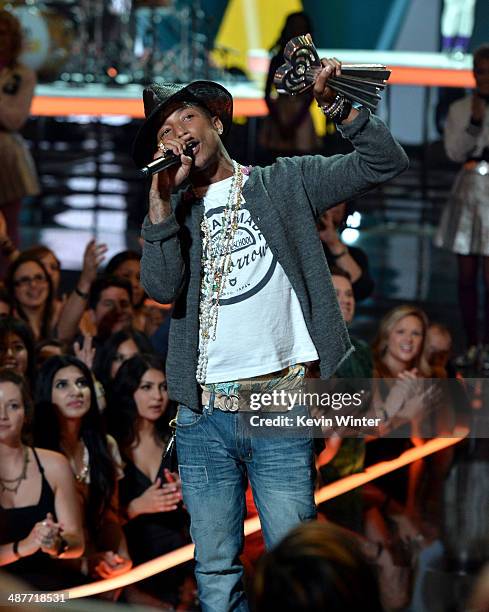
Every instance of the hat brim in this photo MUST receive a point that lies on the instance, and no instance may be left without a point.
(213, 96)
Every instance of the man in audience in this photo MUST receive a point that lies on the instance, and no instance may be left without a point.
(110, 305)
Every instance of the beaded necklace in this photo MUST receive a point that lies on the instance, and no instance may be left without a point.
(216, 265)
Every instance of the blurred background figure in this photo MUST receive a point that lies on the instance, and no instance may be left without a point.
(316, 567)
(457, 23)
(289, 129)
(18, 177)
(351, 259)
(464, 225)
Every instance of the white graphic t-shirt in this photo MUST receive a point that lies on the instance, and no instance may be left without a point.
(261, 328)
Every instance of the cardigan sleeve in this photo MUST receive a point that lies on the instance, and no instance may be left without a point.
(377, 158)
(162, 264)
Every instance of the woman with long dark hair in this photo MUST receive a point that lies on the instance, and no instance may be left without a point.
(150, 493)
(115, 351)
(67, 420)
(40, 519)
(29, 284)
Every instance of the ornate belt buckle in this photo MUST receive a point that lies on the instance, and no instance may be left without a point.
(231, 403)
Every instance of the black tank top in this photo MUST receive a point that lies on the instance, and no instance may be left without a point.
(16, 523)
(38, 570)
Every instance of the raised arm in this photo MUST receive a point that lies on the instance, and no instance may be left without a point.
(76, 304)
(377, 158)
(162, 265)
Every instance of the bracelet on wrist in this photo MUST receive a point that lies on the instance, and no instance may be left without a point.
(333, 108)
(81, 293)
(346, 110)
(338, 110)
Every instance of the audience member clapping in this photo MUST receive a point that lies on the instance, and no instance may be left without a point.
(40, 519)
(67, 420)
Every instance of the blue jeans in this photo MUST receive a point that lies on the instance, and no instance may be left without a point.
(216, 457)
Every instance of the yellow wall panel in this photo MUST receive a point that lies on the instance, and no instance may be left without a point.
(251, 24)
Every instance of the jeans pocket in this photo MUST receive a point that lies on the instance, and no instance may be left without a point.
(187, 417)
(194, 476)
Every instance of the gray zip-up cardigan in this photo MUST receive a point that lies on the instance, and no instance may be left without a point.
(284, 200)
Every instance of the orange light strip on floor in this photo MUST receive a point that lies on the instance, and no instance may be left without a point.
(52, 106)
(186, 553)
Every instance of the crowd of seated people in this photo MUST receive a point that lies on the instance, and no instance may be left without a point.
(85, 494)
(86, 491)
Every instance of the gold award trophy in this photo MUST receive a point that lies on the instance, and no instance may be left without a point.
(358, 82)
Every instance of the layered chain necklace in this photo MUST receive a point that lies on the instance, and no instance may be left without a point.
(12, 484)
(216, 265)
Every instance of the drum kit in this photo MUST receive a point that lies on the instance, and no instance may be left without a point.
(115, 42)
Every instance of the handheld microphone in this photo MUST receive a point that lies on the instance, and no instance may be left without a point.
(167, 161)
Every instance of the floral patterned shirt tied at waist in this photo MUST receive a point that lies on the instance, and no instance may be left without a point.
(234, 396)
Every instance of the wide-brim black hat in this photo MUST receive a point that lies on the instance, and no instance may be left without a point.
(157, 97)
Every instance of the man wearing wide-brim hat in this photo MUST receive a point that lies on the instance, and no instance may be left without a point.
(237, 250)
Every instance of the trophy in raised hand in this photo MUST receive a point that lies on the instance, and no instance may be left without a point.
(360, 83)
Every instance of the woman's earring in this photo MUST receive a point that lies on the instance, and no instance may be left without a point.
(219, 131)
